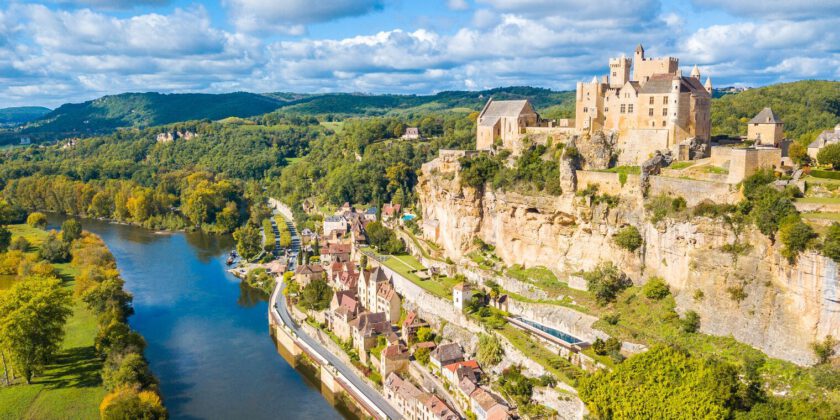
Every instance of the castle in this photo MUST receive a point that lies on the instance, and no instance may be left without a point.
(657, 109)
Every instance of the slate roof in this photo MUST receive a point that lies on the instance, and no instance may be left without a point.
(498, 109)
(661, 83)
(448, 352)
(766, 116)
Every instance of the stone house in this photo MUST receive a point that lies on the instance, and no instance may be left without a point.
(304, 274)
(335, 223)
(344, 308)
(336, 252)
(366, 329)
(455, 372)
(766, 129)
(824, 139)
(413, 403)
(505, 121)
(410, 325)
(411, 133)
(370, 214)
(394, 358)
(338, 269)
(390, 211)
(377, 293)
(487, 406)
(446, 354)
(461, 295)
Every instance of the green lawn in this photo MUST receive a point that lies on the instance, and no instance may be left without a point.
(822, 216)
(814, 180)
(681, 165)
(71, 387)
(558, 366)
(819, 200)
(632, 170)
(405, 265)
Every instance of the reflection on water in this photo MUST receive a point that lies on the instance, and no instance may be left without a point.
(207, 334)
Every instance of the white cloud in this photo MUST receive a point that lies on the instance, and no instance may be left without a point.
(457, 4)
(774, 9)
(625, 11)
(113, 4)
(292, 16)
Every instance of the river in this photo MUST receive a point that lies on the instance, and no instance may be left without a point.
(208, 338)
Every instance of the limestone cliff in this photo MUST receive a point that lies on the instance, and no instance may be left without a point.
(783, 308)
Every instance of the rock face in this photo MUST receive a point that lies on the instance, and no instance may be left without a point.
(596, 150)
(784, 308)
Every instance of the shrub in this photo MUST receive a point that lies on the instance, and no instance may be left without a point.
(612, 319)
(5, 238)
(699, 295)
(831, 243)
(690, 323)
(490, 350)
(830, 155)
(54, 250)
(825, 174)
(606, 281)
(604, 347)
(422, 355)
(759, 179)
(628, 238)
(20, 244)
(425, 334)
(736, 293)
(37, 220)
(316, 295)
(769, 209)
(127, 403)
(656, 288)
(798, 153)
(71, 230)
(796, 236)
(661, 206)
(711, 209)
(824, 350)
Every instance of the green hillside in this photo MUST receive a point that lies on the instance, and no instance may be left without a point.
(806, 107)
(21, 114)
(105, 114)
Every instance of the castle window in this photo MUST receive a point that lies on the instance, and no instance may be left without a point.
(663, 123)
(650, 112)
(623, 107)
(606, 109)
(585, 109)
(614, 74)
(665, 100)
(664, 112)
(653, 123)
(630, 109)
(651, 100)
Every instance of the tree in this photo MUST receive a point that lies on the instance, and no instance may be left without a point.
(796, 236)
(606, 281)
(37, 220)
(127, 403)
(316, 295)
(656, 288)
(628, 238)
(109, 296)
(830, 155)
(32, 317)
(71, 230)
(663, 382)
(690, 323)
(248, 241)
(54, 250)
(5, 238)
(127, 369)
(490, 350)
(422, 355)
(20, 244)
(425, 334)
(516, 386)
(798, 153)
(769, 209)
(831, 243)
(824, 350)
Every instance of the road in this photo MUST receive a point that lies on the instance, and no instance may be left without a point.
(374, 396)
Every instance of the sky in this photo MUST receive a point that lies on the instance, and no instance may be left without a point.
(58, 51)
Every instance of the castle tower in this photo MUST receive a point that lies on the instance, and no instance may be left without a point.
(708, 85)
(619, 71)
(695, 72)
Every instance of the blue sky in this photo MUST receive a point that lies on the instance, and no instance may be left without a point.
(57, 51)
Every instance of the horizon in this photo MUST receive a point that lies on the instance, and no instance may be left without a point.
(54, 52)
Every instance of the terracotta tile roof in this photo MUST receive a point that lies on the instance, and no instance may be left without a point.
(439, 408)
(426, 344)
(386, 291)
(403, 388)
(471, 364)
(309, 269)
(409, 318)
(485, 399)
(395, 352)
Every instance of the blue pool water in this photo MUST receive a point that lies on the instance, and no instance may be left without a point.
(553, 331)
(408, 217)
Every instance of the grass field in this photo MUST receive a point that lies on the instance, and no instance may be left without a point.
(71, 387)
(819, 200)
(405, 265)
(822, 216)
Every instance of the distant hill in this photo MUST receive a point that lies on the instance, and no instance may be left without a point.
(107, 113)
(21, 114)
(807, 107)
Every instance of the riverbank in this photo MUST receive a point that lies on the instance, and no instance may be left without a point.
(72, 383)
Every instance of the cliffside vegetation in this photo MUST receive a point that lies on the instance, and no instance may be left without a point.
(535, 170)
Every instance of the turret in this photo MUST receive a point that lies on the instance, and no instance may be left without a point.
(695, 72)
(708, 85)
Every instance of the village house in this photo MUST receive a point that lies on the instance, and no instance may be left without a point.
(461, 296)
(487, 406)
(411, 133)
(336, 252)
(304, 274)
(366, 328)
(455, 372)
(377, 293)
(410, 325)
(344, 307)
(413, 403)
(390, 211)
(658, 109)
(338, 269)
(505, 122)
(824, 139)
(766, 129)
(370, 214)
(446, 354)
(394, 358)
(335, 223)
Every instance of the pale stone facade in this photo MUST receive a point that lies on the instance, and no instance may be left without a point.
(658, 106)
(766, 129)
(505, 121)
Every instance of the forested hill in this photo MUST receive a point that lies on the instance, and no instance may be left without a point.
(807, 107)
(21, 114)
(105, 114)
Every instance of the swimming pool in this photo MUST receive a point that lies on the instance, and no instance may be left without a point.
(552, 331)
(407, 217)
